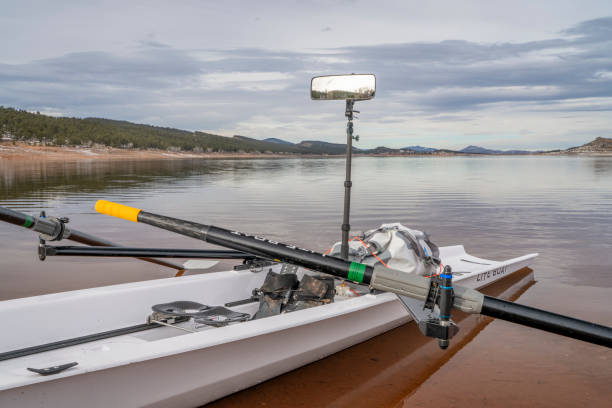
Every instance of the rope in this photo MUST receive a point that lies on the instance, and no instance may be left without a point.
(373, 254)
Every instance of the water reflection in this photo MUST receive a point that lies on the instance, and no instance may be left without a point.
(602, 166)
(505, 205)
(42, 179)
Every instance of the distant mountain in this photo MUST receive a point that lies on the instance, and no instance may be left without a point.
(275, 140)
(381, 150)
(481, 150)
(599, 145)
(420, 149)
(239, 143)
(519, 152)
(316, 146)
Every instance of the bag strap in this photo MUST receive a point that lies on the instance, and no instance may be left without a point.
(414, 242)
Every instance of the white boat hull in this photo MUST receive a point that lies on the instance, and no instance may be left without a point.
(162, 367)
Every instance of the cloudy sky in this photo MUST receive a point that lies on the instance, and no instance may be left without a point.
(498, 74)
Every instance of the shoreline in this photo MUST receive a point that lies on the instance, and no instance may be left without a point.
(25, 152)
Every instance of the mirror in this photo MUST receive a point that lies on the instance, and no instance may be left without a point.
(357, 87)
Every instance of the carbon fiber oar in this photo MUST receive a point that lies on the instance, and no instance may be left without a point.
(377, 277)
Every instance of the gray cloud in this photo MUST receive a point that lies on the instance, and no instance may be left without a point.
(598, 29)
(555, 69)
(224, 89)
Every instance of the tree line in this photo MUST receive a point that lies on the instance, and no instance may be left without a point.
(21, 125)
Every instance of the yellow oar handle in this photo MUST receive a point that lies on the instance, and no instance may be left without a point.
(117, 210)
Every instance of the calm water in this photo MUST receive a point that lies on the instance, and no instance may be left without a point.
(498, 207)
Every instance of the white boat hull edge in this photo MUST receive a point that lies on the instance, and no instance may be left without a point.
(165, 367)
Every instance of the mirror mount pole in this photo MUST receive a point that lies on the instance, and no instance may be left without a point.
(346, 226)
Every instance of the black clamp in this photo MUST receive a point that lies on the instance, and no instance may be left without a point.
(440, 293)
(60, 232)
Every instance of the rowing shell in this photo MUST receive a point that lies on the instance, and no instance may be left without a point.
(166, 366)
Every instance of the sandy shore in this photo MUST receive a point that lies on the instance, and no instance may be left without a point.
(22, 151)
(25, 152)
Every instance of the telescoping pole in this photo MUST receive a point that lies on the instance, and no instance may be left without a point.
(377, 277)
(346, 224)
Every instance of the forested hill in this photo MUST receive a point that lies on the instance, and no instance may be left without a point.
(26, 126)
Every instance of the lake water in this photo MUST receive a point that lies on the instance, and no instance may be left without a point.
(498, 207)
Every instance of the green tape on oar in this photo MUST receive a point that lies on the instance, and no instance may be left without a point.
(28, 222)
(356, 272)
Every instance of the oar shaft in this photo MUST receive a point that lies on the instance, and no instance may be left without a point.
(16, 218)
(44, 226)
(260, 246)
(547, 321)
(87, 239)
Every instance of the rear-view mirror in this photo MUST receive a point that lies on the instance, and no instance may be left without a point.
(357, 87)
